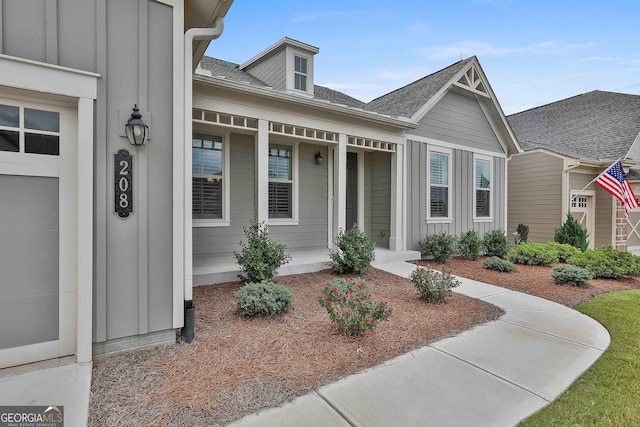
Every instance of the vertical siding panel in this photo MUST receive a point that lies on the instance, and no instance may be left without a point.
(24, 35)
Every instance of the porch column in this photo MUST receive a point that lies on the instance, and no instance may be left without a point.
(340, 184)
(262, 171)
(396, 238)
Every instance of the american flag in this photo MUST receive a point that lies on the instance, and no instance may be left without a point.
(614, 181)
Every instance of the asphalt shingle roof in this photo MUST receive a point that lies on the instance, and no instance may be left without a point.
(593, 126)
(229, 70)
(407, 100)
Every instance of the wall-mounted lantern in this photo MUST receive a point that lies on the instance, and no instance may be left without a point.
(137, 131)
(319, 158)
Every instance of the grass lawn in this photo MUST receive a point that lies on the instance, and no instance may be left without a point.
(608, 394)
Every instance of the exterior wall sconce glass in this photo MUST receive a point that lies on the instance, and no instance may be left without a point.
(137, 131)
(319, 158)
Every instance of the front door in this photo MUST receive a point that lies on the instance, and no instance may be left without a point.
(582, 211)
(352, 190)
(38, 182)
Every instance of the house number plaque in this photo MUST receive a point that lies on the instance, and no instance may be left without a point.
(123, 183)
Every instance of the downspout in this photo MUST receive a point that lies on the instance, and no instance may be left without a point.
(192, 34)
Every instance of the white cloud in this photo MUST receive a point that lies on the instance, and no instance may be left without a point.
(468, 48)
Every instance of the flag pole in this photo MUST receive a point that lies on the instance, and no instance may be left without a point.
(592, 181)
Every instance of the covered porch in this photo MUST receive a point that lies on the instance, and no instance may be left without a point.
(212, 269)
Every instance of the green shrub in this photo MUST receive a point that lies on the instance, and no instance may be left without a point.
(351, 306)
(262, 299)
(469, 245)
(523, 233)
(565, 251)
(608, 263)
(354, 251)
(567, 274)
(572, 233)
(498, 264)
(494, 243)
(433, 286)
(440, 246)
(260, 257)
(533, 254)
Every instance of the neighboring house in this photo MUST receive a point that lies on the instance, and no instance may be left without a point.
(429, 157)
(567, 144)
(75, 277)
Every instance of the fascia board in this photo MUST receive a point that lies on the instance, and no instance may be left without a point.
(401, 123)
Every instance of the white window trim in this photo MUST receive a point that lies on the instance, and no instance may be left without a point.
(291, 64)
(491, 188)
(225, 221)
(294, 220)
(449, 153)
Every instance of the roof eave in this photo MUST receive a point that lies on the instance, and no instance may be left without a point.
(267, 92)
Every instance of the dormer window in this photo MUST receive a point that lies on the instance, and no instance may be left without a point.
(300, 73)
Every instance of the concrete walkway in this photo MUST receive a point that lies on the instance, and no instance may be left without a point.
(496, 374)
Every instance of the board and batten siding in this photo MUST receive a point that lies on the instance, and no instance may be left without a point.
(602, 210)
(378, 197)
(225, 240)
(462, 190)
(535, 194)
(272, 70)
(313, 185)
(458, 119)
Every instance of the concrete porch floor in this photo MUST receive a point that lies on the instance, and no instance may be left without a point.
(211, 269)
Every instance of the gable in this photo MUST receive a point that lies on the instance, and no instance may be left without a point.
(459, 119)
(272, 70)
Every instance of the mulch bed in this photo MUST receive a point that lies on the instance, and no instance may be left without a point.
(236, 367)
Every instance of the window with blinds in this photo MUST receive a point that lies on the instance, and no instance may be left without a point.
(438, 185)
(483, 188)
(280, 181)
(207, 171)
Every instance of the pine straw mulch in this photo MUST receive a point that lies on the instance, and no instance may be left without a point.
(535, 280)
(236, 367)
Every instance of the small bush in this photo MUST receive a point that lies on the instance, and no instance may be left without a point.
(523, 233)
(607, 263)
(533, 254)
(260, 257)
(354, 252)
(566, 274)
(572, 233)
(494, 243)
(433, 286)
(440, 246)
(565, 251)
(351, 306)
(262, 299)
(469, 245)
(498, 264)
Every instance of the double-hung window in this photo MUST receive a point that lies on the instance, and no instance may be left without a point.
(482, 171)
(208, 169)
(439, 177)
(300, 73)
(282, 176)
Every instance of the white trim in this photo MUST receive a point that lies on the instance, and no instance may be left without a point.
(449, 145)
(491, 189)
(449, 153)
(330, 193)
(285, 41)
(295, 219)
(360, 206)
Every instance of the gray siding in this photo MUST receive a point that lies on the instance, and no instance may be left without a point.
(224, 240)
(311, 233)
(272, 70)
(60, 32)
(458, 119)
(535, 194)
(462, 188)
(378, 198)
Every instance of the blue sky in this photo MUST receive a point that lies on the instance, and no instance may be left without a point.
(533, 52)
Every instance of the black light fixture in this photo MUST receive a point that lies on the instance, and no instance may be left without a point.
(319, 158)
(137, 131)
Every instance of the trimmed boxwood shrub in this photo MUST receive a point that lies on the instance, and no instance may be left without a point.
(354, 251)
(533, 254)
(262, 299)
(469, 245)
(573, 275)
(494, 243)
(608, 263)
(498, 264)
(565, 251)
(440, 246)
